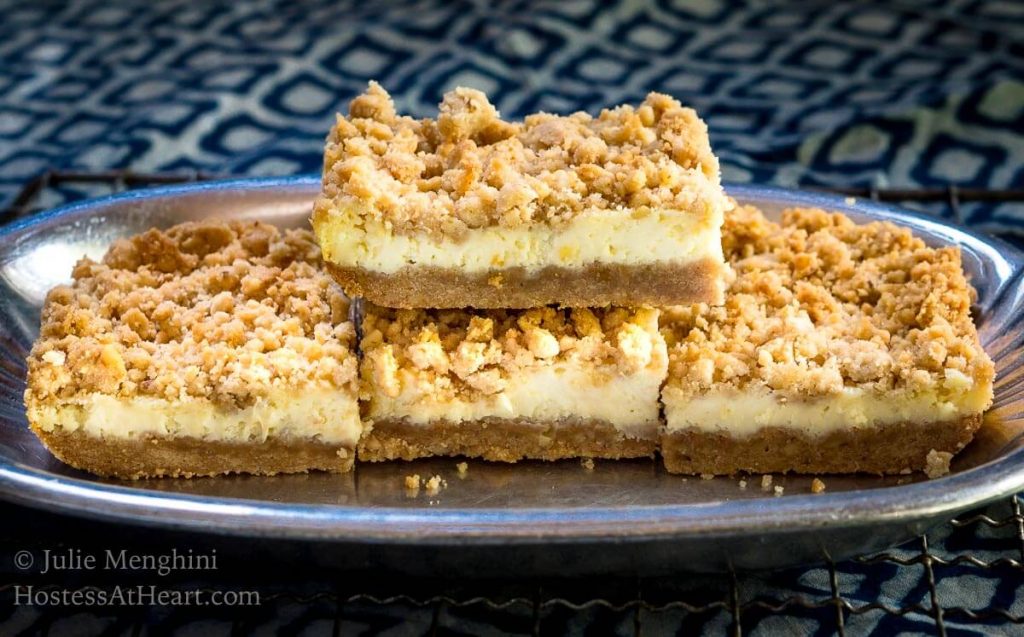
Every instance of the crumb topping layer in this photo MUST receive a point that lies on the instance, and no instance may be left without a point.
(820, 304)
(472, 354)
(471, 169)
(223, 311)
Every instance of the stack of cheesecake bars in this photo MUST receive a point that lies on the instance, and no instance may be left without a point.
(561, 287)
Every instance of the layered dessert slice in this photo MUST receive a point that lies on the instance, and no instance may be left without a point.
(508, 385)
(840, 348)
(206, 349)
(469, 210)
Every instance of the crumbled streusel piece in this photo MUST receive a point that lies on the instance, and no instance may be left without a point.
(435, 484)
(820, 304)
(766, 482)
(817, 486)
(779, 490)
(937, 463)
(225, 311)
(412, 482)
(476, 352)
(471, 169)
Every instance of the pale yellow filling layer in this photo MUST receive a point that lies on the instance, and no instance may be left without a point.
(630, 403)
(742, 414)
(351, 238)
(329, 416)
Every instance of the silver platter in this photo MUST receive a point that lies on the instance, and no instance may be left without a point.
(531, 518)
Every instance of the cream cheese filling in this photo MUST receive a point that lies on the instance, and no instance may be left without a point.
(742, 414)
(330, 416)
(351, 238)
(630, 403)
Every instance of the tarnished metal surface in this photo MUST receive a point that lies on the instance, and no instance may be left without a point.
(532, 517)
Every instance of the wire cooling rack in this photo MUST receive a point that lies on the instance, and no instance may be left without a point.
(966, 576)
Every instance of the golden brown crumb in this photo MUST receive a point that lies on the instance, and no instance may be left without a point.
(474, 353)
(820, 304)
(817, 486)
(588, 464)
(779, 490)
(412, 482)
(463, 469)
(707, 476)
(495, 281)
(471, 169)
(937, 463)
(766, 482)
(221, 311)
(435, 484)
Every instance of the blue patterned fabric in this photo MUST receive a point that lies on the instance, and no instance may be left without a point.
(808, 93)
(811, 93)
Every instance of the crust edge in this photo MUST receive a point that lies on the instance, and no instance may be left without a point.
(501, 440)
(883, 450)
(598, 285)
(153, 457)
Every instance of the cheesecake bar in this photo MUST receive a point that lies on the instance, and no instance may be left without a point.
(470, 210)
(502, 385)
(209, 348)
(840, 348)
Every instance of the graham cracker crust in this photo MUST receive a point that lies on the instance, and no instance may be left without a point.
(596, 285)
(500, 440)
(191, 457)
(888, 449)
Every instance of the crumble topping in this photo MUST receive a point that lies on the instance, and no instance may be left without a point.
(435, 484)
(471, 169)
(820, 304)
(817, 486)
(937, 463)
(221, 311)
(452, 352)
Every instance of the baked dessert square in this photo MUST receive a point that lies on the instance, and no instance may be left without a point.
(205, 349)
(840, 348)
(503, 385)
(470, 210)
